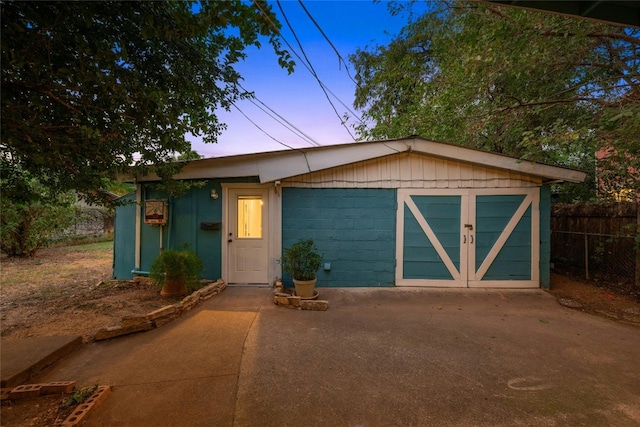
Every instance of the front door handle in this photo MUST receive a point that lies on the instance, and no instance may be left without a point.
(230, 240)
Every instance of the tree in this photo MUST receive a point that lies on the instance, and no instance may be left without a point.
(90, 89)
(528, 84)
(31, 219)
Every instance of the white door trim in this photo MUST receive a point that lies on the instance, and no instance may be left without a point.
(532, 198)
(274, 227)
(404, 198)
(468, 273)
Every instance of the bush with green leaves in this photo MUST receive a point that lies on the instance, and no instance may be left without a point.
(301, 260)
(177, 262)
(32, 218)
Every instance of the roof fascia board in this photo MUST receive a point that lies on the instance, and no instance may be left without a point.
(278, 165)
(455, 152)
(226, 167)
(307, 161)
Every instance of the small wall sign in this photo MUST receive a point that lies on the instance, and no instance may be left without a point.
(156, 212)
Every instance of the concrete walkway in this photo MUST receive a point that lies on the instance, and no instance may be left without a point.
(377, 357)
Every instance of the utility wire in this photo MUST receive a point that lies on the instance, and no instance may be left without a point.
(290, 126)
(335, 49)
(265, 132)
(307, 66)
(295, 130)
(313, 71)
(340, 59)
(306, 159)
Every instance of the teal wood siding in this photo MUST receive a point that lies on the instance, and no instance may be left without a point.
(545, 237)
(493, 213)
(183, 228)
(186, 213)
(420, 260)
(124, 238)
(354, 230)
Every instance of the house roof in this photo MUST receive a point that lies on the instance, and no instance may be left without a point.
(626, 13)
(277, 165)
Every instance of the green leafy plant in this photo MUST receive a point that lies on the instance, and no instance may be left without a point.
(79, 396)
(182, 263)
(78, 109)
(31, 215)
(301, 260)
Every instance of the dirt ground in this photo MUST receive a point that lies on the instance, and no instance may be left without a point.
(68, 291)
(64, 291)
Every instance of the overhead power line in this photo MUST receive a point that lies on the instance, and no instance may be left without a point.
(335, 49)
(264, 131)
(340, 59)
(290, 126)
(309, 67)
(312, 70)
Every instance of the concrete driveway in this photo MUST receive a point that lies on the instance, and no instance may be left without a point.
(377, 357)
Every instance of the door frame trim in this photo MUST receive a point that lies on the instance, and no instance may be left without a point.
(274, 227)
(405, 194)
(532, 199)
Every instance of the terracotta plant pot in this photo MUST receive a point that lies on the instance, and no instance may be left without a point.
(174, 286)
(305, 288)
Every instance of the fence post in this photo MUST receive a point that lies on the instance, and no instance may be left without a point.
(586, 256)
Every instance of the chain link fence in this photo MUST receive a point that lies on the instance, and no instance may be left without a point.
(601, 257)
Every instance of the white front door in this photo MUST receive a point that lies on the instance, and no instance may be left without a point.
(247, 235)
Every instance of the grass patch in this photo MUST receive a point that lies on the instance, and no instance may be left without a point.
(79, 264)
(88, 247)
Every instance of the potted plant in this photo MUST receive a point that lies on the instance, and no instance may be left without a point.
(301, 261)
(176, 271)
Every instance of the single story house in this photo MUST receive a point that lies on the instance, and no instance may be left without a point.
(404, 212)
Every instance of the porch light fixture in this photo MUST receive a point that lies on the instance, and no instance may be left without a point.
(214, 194)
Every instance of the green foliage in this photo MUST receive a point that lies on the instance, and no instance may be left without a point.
(119, 188)
(177, 263)
(32, 220)
(92, 88)
(79, 397)
(301, 260)
(189, 155)
(528, 84)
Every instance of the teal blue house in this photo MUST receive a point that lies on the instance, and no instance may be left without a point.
(405, 212)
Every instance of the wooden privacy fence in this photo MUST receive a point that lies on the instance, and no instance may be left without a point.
(598, 242)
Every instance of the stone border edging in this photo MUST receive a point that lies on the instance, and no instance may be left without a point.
(79, 413)
(161, 316)
(29, 391)
(288, 300)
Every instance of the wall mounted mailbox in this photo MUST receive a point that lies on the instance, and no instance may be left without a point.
(210, 225)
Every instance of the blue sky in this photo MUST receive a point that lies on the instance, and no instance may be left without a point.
(298, 97)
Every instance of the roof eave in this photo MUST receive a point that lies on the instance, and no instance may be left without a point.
(274, 166)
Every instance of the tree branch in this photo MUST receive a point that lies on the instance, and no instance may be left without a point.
(553, 102)
(615, 36)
